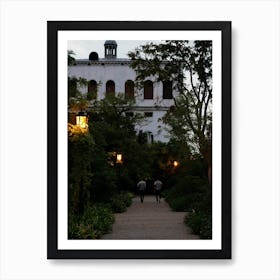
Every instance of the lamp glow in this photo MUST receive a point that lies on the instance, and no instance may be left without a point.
(119, 158)
(82, 120)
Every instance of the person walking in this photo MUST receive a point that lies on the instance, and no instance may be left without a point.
(158, 187)
(141, 185)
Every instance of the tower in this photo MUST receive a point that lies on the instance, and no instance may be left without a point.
(110, 49)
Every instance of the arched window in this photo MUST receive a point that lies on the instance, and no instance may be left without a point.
(167, 90)
(110, 88)
(92, 90)
(129, 89)
(148, 90)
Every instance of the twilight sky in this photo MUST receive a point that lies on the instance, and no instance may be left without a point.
(83, 48)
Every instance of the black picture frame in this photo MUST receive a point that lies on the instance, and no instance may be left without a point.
(53, 27)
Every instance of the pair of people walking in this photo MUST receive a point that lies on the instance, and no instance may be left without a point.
(141, 185)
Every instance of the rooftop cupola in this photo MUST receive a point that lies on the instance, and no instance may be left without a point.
(110, 49)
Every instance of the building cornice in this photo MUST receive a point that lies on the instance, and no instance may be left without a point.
(103, 61)
(141, 108)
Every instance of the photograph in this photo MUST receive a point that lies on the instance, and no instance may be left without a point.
(135, 152)
(130, 142)
(140, 140)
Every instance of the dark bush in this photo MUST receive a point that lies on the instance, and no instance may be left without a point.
(92, 224)
(125, 182)
(200, 220)
(117, 205)
(184, 202)
(194, 195)
(186, 193)
(120, 202)
(201, 223)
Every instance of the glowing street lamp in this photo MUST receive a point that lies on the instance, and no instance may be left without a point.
(82, 120)
(175, 163)
(119, 158)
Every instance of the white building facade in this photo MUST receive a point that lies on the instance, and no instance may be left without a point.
(112, 75)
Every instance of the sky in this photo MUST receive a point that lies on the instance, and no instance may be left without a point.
(83, 48)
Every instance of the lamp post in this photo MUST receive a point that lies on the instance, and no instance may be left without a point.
(175, 163)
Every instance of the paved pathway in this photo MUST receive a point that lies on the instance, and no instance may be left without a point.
(150, 220)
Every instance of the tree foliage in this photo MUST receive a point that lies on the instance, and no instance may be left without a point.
(189, 65)
(77, 101)
(114, 132)
(80, 147)
(71, 58)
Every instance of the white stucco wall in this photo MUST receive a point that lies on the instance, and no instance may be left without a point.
(103, 73)
(120, 73)
(151, 124)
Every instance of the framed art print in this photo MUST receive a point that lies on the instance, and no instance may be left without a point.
(139, 140)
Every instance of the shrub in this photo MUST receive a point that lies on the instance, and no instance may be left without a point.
(117, 205)
(180, 203)
(186, 193)
(103, 183)
(120, 202)
(127, 197)
(95, 221)
(193, 194)
(125, 182)
(201, 224)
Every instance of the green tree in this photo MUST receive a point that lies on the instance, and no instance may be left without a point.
(189, 66)
(76, 100)
(114, 132)
(71, 58)
(80, 147)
